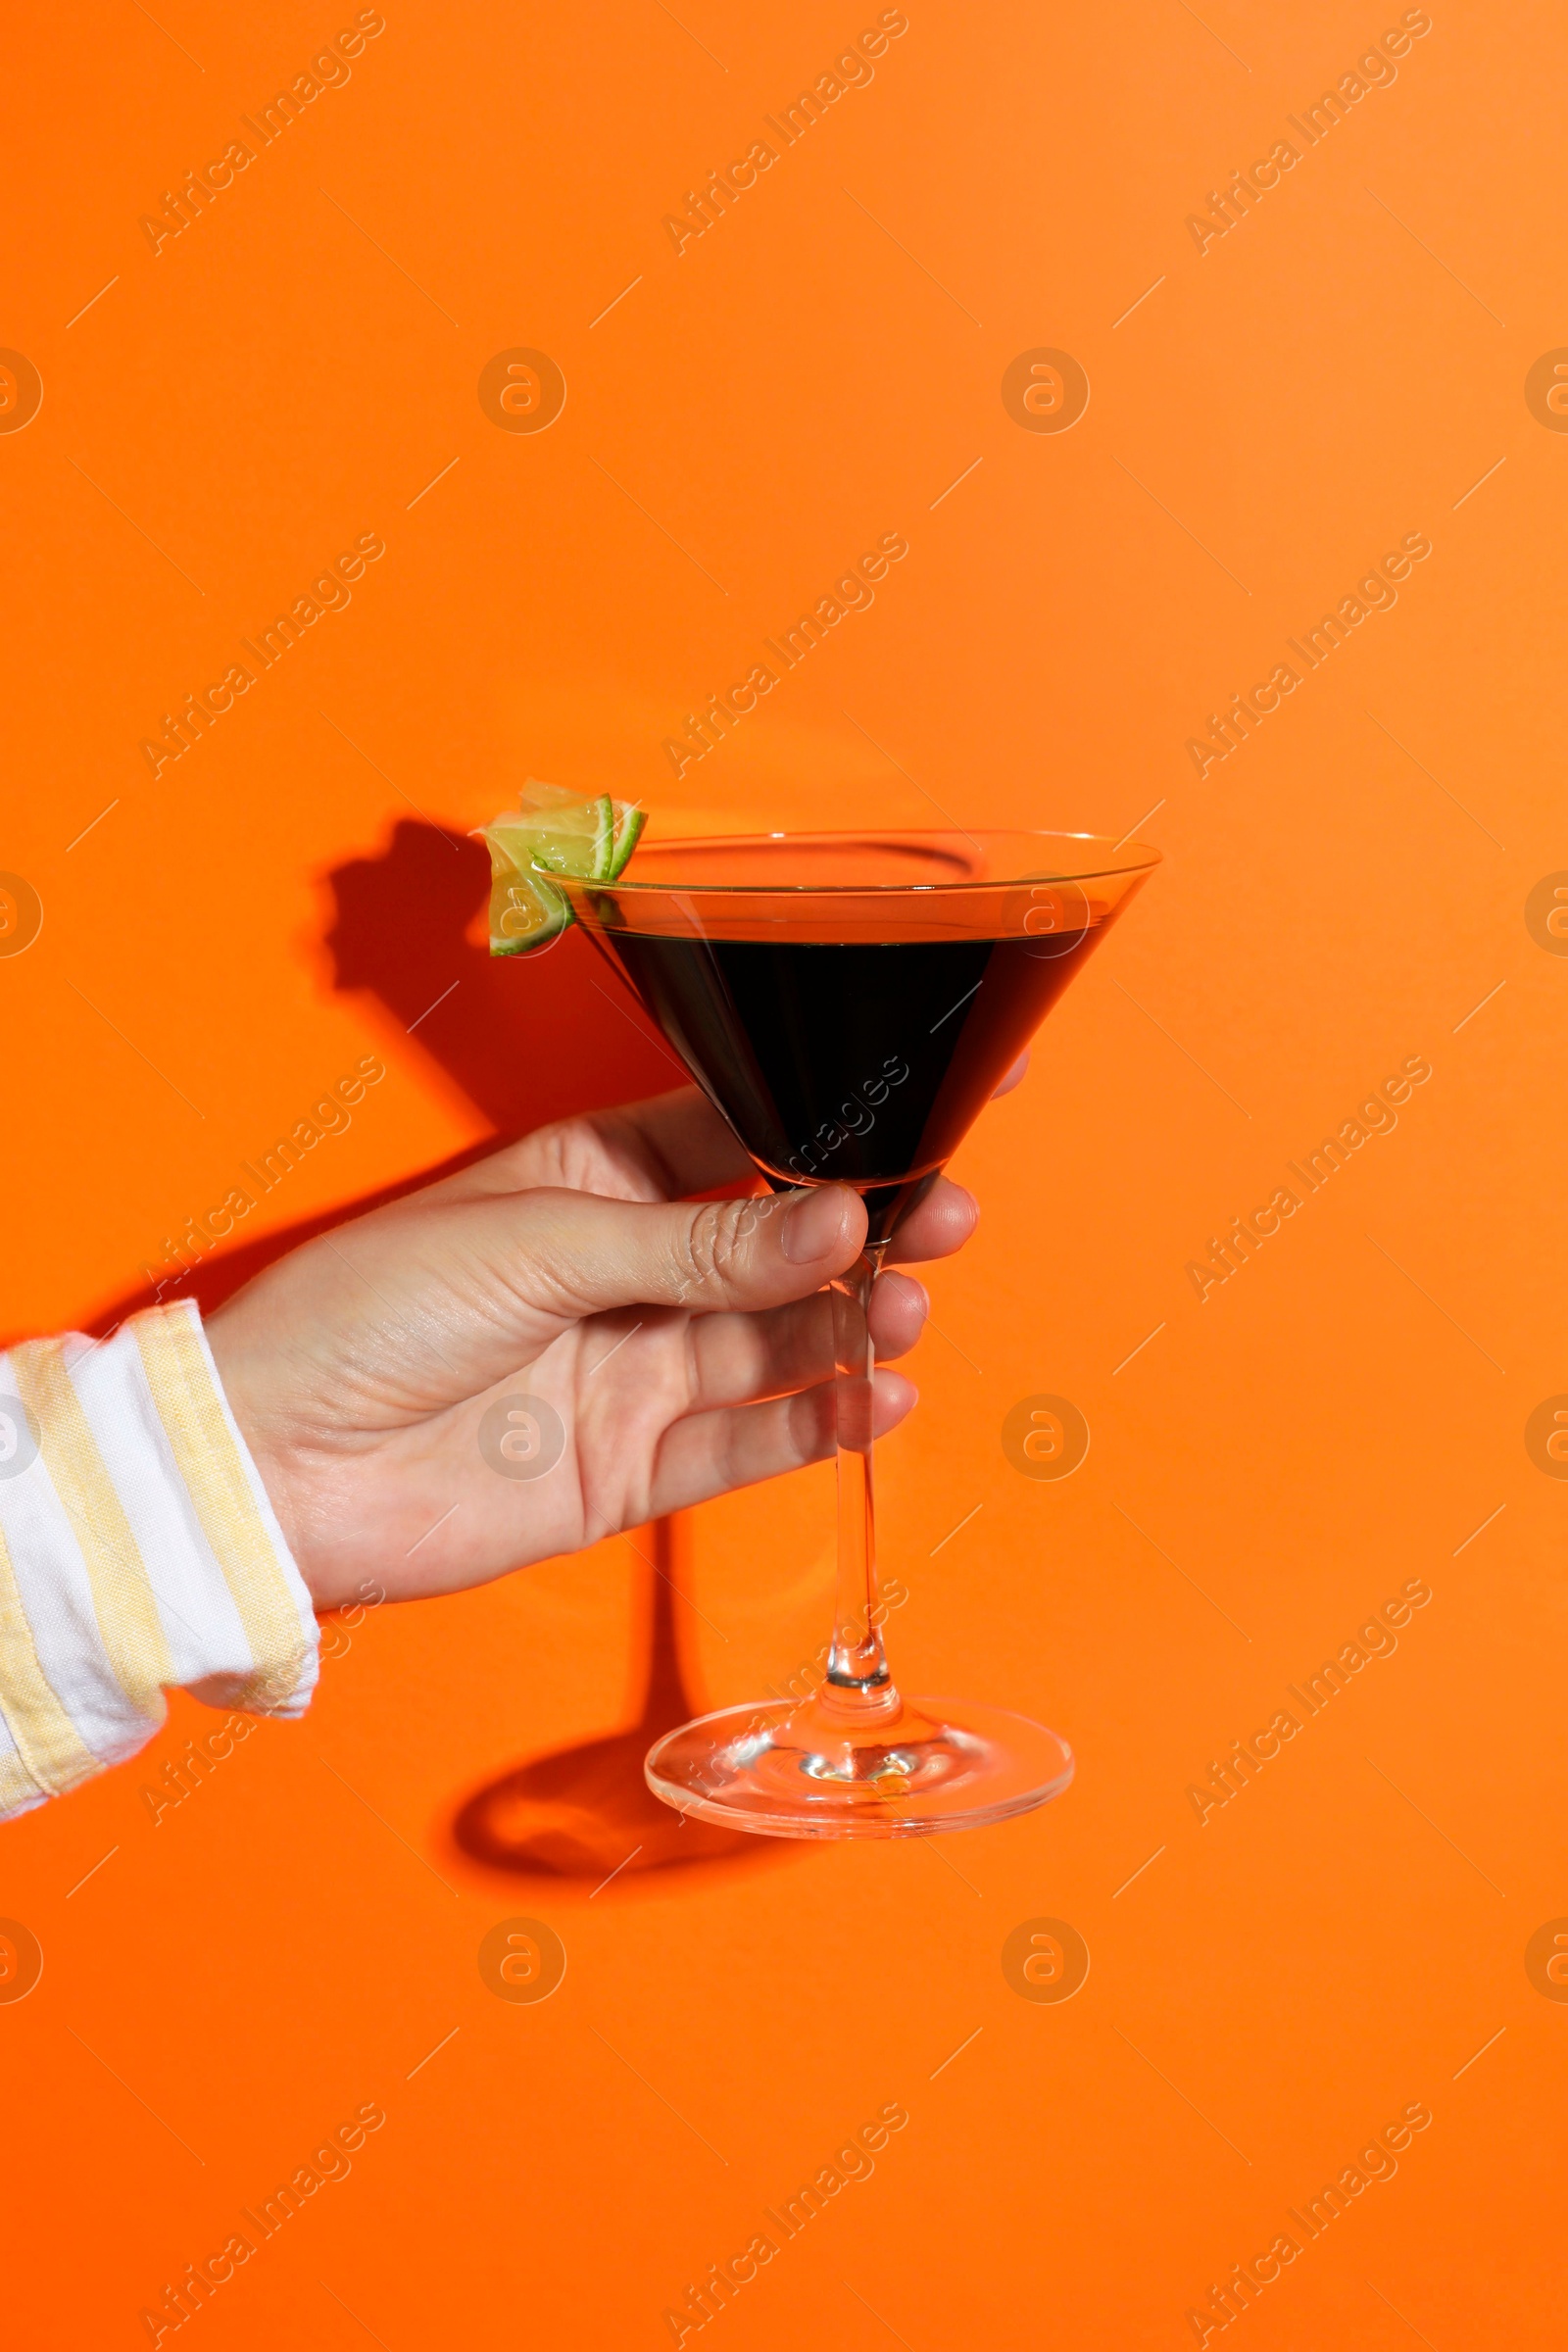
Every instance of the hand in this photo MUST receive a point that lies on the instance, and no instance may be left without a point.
(684, 1349)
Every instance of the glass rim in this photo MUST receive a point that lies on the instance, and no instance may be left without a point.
(1126, 857)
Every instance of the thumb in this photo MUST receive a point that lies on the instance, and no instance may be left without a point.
(572, 1254)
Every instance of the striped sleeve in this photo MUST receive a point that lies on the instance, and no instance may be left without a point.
(138, 1552)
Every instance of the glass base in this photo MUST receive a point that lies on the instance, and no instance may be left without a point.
(859, 1768)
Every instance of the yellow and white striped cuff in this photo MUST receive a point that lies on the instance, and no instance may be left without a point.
(138, 1552)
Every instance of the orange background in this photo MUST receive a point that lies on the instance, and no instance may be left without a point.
(1341, 370)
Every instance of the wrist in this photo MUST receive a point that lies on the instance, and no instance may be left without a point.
(263, 1438)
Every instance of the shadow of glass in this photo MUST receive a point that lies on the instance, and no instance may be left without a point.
(524, 1038)
(587, 1812)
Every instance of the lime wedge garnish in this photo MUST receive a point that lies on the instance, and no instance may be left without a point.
(549, 796)
(525, 911)
(561, 833)
(574, 841)
(629, 822)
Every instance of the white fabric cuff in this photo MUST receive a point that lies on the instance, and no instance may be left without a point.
(138, 1550)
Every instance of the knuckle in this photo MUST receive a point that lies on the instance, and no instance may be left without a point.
(716, 1249)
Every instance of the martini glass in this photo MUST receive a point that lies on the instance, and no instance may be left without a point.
(849, 1001)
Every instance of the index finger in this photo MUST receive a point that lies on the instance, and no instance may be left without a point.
(668, 1148)
(681, 1142)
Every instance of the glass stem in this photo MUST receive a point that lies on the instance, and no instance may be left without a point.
(859, 1685)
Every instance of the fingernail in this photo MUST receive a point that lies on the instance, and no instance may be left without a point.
(813, 1226)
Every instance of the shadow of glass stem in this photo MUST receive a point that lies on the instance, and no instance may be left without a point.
(587, 1812)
